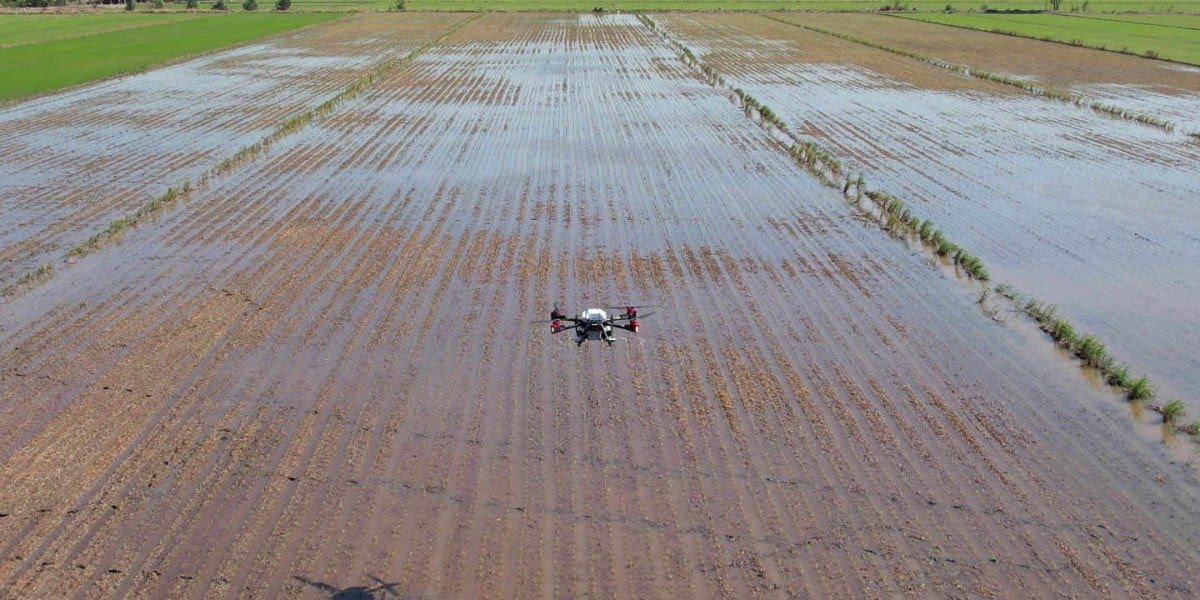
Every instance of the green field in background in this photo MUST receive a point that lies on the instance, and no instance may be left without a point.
(1178, 44)
(1177, 21)
(16, 30)
(35, 68)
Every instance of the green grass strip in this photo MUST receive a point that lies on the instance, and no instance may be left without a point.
(21, 29)
(1176, 21)
(33, 69)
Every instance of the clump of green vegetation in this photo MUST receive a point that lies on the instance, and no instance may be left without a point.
(1118, 376)
(158, 4)
(249, 5)
(130, 5)
(193, 4)
(1172, 411)
(1140, 389)
(219, 5)
(1092, 351)
(282, 5)
(1089, 349)
(1063, 333)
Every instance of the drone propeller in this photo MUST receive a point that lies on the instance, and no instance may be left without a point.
(628, 318)
(625, 306)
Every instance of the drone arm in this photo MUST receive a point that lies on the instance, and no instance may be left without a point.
(631, 326)
(563, 324)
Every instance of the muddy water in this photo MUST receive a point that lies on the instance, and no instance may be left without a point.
(75, 161)
(1167, 90)
(319, 375)
(1094, 215)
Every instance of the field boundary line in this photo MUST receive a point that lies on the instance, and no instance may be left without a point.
(1023, 84)
(117, 227)
(1148, 54)
(893, 216)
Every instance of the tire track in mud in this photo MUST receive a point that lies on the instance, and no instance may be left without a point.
(711, 453)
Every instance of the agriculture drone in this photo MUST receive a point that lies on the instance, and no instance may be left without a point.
(595, 324)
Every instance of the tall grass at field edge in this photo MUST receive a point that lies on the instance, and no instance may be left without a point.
(896, 217)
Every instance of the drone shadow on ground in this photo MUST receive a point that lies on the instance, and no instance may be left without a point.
(381, 591)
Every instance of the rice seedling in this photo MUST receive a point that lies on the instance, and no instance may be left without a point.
(925, 230)
(1140, 389)
(945, 247)
(1117, 376)
(117, 227)
(1172, 411)
(1092, 351)
(1063, 333)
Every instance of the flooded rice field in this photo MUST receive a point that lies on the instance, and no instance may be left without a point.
(1090, 213)
(1159, 88)
(82, 158)
(317, 375)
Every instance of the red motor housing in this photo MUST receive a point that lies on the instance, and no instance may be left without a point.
(554, 326)
(634, 324)
(631, 311)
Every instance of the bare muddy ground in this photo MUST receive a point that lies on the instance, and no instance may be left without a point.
(1095, 215)
(75, 161)
(318, 376)
(1160, 88)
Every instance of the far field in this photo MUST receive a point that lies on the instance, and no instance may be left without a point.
(16, 30)
(50, 58)
(1187, 6)
(1181, 44)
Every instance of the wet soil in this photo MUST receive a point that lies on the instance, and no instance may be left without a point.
(1156, 87)
(1083, 211)
(76, 161)
(318, 376)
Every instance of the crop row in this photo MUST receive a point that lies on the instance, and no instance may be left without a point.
(1023, 84)
(894, 216)
(117, 227)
